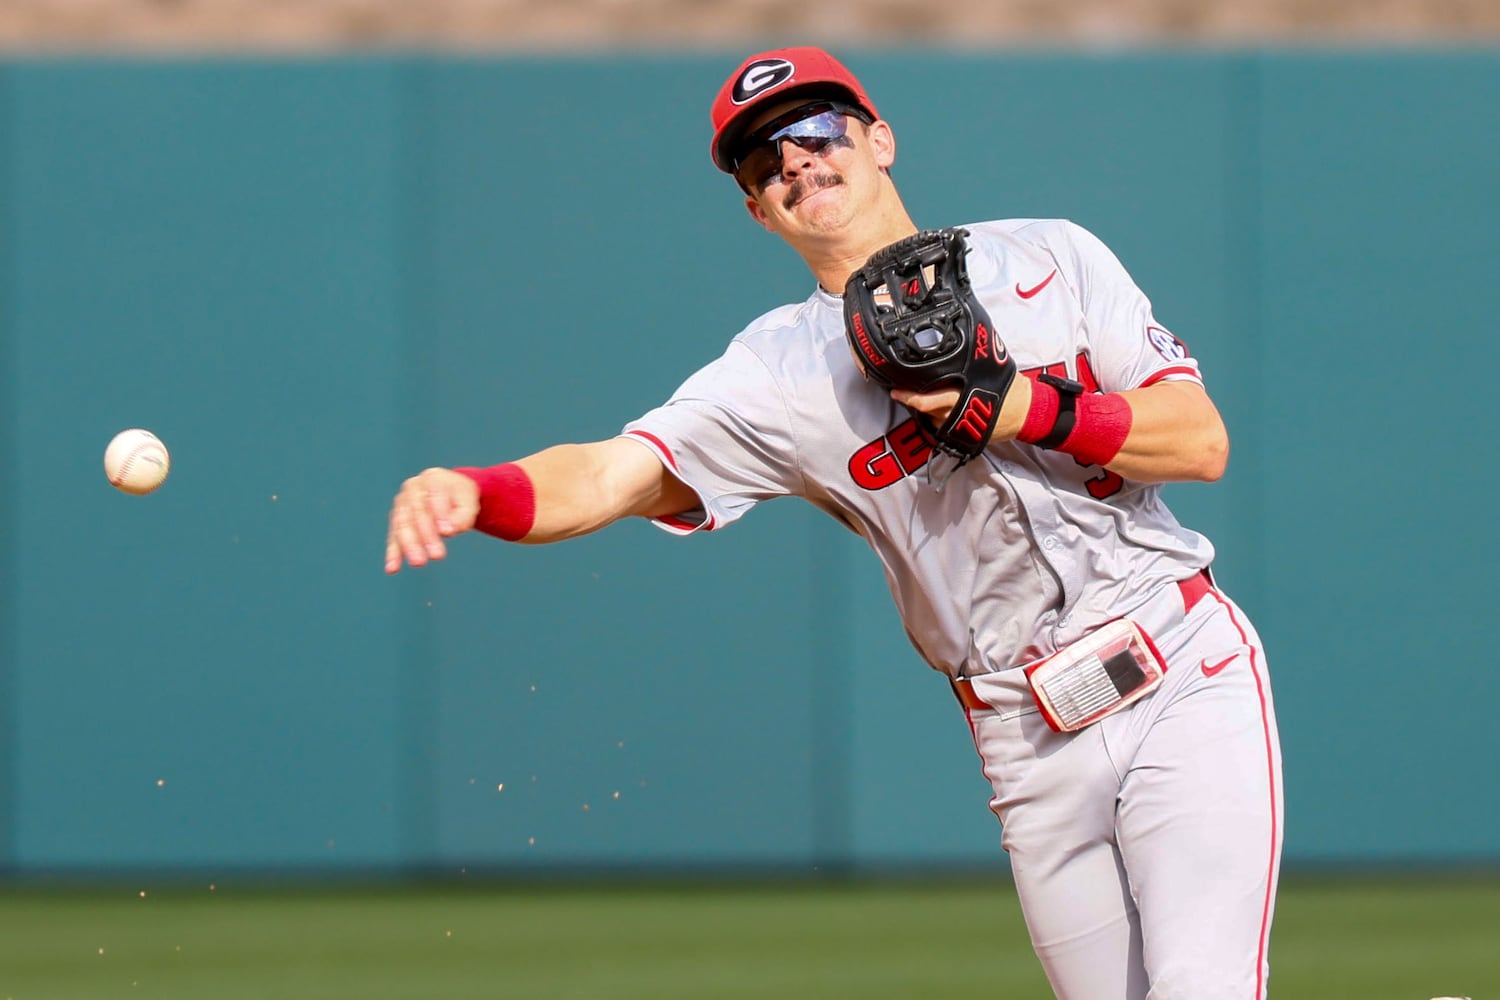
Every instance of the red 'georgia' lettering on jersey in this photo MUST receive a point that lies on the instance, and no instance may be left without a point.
(890, 458)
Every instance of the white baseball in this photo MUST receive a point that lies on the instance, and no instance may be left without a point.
(136, 461)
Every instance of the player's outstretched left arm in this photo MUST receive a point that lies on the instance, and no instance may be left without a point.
(562, 492)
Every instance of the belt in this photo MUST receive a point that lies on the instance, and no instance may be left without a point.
(1193, 590)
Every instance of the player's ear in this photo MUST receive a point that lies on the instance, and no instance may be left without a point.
(882, 143)
(757, 213)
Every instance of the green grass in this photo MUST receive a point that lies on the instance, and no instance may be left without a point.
(1404, 940)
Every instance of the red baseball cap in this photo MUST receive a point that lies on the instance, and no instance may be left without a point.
(773, 76)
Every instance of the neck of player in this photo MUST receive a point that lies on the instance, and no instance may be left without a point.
(832, 255)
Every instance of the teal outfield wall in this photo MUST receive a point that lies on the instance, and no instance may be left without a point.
(315, 278)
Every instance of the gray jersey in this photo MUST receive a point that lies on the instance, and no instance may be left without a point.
(999, 561)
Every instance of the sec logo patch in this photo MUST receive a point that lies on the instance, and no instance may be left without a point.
(1166, 345)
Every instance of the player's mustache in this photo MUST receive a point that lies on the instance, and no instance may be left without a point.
(807, 185)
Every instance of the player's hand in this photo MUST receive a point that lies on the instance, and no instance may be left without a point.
(937, 405)
(433, 505)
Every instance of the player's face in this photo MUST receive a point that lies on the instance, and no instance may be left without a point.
(818, 128)
(807, 167)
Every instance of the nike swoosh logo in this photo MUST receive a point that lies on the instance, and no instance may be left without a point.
(1027, 293)
(1211, 670)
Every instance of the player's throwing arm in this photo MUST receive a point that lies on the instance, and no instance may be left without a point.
(562, 492)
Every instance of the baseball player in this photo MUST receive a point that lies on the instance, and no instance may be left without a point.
(1119, 700)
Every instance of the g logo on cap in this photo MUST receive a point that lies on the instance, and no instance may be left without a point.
(760, 77)
(764, 76)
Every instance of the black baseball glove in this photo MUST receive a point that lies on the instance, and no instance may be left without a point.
(913, 323)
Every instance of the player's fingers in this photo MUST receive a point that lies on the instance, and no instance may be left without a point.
(414, 526)
(936, 405)
(441, 506)
(403, 537)
(425, 526)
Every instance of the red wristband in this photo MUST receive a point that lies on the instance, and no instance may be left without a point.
(1103, 423)
(507, 501)
(1043, 413)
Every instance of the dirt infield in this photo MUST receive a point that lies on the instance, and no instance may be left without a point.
(563, 25)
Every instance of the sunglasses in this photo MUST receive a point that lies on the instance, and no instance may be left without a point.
(813, 127)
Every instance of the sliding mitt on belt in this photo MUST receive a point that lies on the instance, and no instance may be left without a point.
(913, 323)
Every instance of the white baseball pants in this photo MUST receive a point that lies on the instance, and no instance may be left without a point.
(1145, 848)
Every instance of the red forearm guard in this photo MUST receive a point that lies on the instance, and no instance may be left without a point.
(1103, 423)
(1090, 426)
(1042, 415)
(507, 501)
